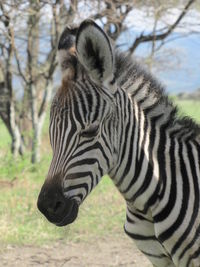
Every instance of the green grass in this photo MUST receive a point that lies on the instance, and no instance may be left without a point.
(190, 108)
(21, 222)
(102, 213)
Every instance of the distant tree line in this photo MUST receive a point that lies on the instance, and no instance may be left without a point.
(29, 32)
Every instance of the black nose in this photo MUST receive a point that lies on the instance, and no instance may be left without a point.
(53, 204)
(56, 208)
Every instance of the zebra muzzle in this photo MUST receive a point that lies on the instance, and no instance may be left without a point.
(56, 208)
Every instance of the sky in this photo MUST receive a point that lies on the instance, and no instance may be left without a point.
(180, 67)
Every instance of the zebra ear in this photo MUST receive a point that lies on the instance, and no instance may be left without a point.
(94, 51)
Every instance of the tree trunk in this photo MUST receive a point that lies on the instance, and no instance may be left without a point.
(8, 116)
(36, 142)
(17, 143)
(38, 119)
(17, 146)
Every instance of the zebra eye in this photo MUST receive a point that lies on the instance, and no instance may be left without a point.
(90, 132)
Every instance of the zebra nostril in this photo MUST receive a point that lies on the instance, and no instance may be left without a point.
(57, 207)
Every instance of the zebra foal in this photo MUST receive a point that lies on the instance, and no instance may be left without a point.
(110, 116)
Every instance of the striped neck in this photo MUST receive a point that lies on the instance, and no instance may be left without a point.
(134, 167)
(148, 124)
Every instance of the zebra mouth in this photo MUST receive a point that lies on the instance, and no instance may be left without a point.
(71, 215)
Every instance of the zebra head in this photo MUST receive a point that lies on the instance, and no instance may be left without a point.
(82, 122)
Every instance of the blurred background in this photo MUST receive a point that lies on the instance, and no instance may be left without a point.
(163, 35)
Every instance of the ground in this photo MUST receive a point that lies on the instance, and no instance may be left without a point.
(105, 252)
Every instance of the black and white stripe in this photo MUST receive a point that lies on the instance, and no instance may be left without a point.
(127, 127)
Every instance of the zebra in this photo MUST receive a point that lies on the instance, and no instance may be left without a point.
(111, 116)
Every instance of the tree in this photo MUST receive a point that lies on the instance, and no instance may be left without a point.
(7, 107)
(35, 68)
(161, 34)
(29, 33)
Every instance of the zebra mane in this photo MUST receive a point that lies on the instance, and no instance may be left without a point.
(148, 92)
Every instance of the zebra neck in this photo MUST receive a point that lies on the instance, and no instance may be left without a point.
(149, 145)
(148, 125)
(150, 96)
(134, 174)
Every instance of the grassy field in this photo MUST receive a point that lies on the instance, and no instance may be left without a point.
(190, 108)
(103, 213)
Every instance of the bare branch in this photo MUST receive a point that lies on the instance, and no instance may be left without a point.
(149, 38)
(19, 65)
(46, 97)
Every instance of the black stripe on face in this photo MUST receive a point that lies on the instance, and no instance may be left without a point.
(91, 181)
(96, 107)
(78, 115)
(88, 161)
(96, 96)
(90, 102)
(107, 141)
(92, 148)
(82, 103)
(77, 186)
